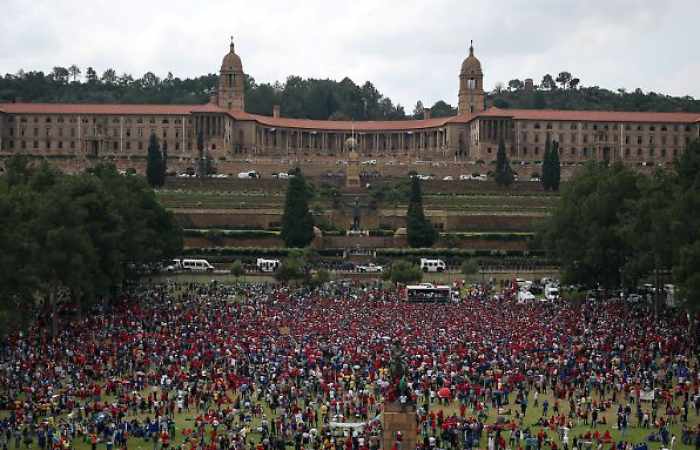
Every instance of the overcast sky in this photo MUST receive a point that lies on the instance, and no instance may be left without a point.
(410, 50)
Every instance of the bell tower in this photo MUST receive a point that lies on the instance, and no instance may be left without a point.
(471, 85)
(230, 94)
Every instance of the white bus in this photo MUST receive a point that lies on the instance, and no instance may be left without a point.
(267, 265)
(196, 265)
(427, 292)
(432, 265)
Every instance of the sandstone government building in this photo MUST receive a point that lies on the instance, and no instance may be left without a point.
(75, 136)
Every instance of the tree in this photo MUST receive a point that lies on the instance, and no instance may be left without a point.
(109, 76)
(154, 163)
(418, 110)
(91, 76)
(420, 232)
(237, 269)
(555, 167)
(548, 83)
(515, 85)
(547, 163)
(563, 78)
(164, 164)
(442, 109)
(404, 272)
(60, 75)
(504, 174)
(469, 267)
(297, 222)
(573, 83)
(292, 268)
(74, 72)
(584, 230)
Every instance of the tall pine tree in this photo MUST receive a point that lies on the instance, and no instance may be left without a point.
(154, 163)
(504, 174)
(297, 222)
(420, 232)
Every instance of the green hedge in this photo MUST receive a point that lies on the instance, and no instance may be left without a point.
(231, 234)
(447, 252)
(488, 236)
(214, 252)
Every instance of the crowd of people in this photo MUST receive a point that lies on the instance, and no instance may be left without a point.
(262, 366)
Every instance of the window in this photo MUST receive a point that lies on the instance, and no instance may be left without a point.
(12, 144)
(36, 132)
(60, 144)
(675, 152)
(573, 126)
(213, 147)
(595, 126)
(573, 152)
(177, 146)
(663, 152)
(72, 144)
(651, 139)
(639, 140)
(585, 152)
(652, 128)
(663, 128)
(72, 132)
(537, 150)
(537, 126)
(627, 127)
(115, 120)
(114, 145)
(639, 152)
(549, 126)
(48, 145)
(651, 152)
(537, 138)
(524, 150)
(627, 152)
(36, 144)
(165, 121)
(24, 144)
(152, 120)
(585, 139)
(140, 145)
(128, 145)
(627, 139)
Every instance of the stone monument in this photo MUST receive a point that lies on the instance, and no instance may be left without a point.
(399, 416)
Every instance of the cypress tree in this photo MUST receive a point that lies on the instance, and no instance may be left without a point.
(164, 165)
(420, 232)
(154, 163)
(504, 174)
(555, 166)
(297, 222)
(547, 164)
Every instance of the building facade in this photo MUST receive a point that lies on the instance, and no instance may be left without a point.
(75, 136)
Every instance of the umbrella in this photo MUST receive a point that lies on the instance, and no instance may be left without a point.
(444, 392)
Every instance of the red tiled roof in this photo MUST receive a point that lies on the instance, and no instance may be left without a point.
(592, 116)
(343, 125)
(114, 109)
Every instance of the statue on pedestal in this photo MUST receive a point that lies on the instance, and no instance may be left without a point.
(356, 215)
(398, 372)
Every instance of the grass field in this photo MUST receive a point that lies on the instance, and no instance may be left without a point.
(633, 434)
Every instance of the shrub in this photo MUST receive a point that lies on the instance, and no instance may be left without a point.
(405, 272)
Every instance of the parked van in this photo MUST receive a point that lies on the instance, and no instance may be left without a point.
(432, 265)
(551, 292)
(267, 265)
(197, 265)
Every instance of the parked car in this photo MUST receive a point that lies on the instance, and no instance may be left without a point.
(250, 175)
(448, 178)
(370, 268)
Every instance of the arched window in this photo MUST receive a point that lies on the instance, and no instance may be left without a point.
(471, 83)
(230, 80)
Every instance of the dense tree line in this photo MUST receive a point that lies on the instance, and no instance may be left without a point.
(74, 239)
(566, 92)
(316, 98)
(614, 227)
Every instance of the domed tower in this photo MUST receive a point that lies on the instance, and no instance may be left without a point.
(471, 84)
(230, 94)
